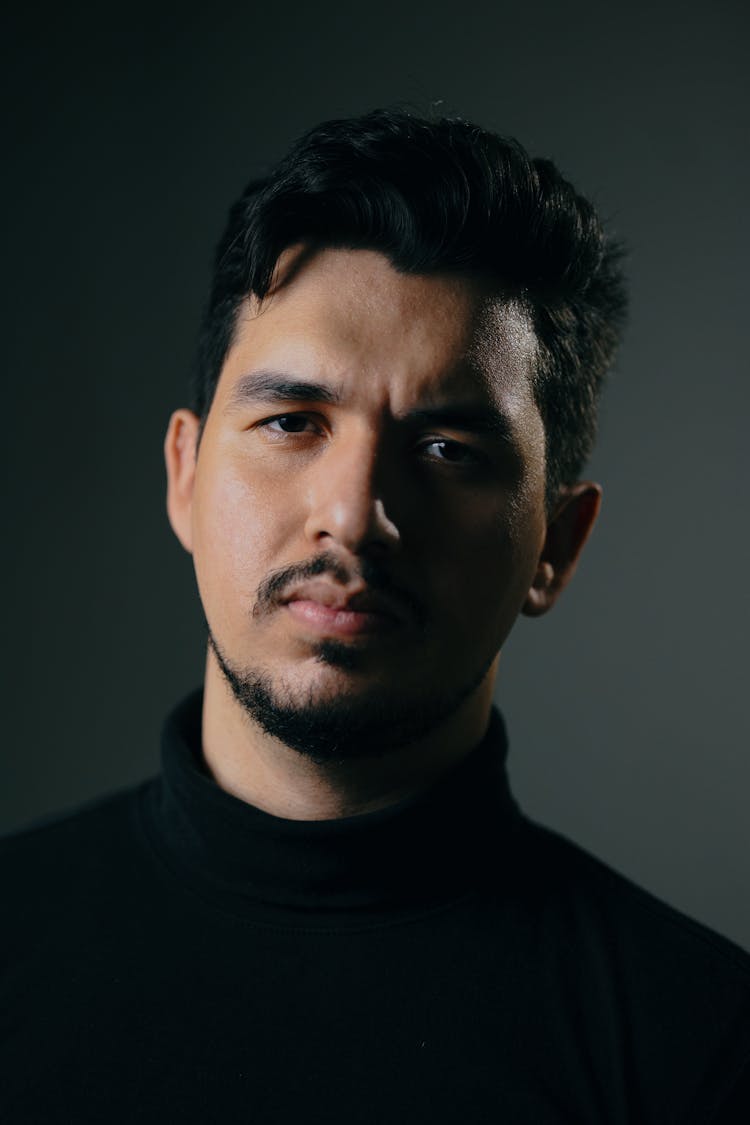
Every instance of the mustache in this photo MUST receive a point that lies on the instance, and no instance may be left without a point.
(375, 577)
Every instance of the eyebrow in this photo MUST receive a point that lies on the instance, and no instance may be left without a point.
(278, 387)
(274, 386)
(469, 418)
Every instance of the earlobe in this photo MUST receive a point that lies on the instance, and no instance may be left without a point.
(568, 529)
(180, 452)
(537, 600)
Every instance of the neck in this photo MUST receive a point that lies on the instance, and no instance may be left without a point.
(260, 770)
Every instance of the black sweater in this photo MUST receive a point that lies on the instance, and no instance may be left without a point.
(174, 955)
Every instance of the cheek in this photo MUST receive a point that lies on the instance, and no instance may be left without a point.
(484, 566)
(239, 531)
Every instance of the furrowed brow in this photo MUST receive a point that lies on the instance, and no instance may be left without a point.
(275, 386)
(471, 419)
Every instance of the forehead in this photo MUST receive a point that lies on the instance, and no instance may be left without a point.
(350, 317)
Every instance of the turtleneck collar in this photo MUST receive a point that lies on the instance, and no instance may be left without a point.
(421, 852)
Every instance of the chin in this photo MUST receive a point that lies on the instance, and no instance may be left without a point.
(337, 676)
(335, 706)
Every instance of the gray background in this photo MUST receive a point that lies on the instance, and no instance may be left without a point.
(125, 145)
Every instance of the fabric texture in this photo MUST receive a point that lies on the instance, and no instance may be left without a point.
(173, 954)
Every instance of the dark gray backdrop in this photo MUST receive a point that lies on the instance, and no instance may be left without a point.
(125, 144)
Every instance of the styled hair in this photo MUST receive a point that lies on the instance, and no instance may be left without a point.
(439, 195)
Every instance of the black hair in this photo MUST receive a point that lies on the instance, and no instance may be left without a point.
(439, 195)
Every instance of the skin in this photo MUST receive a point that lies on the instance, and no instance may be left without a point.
(456, 518)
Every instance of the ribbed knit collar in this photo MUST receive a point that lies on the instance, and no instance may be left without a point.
(422, 851)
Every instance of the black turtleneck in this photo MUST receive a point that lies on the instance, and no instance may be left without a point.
(416, 854)
(173, 954)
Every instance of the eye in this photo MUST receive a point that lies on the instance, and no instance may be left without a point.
(290, 431)
(452, 452)
(288, 424)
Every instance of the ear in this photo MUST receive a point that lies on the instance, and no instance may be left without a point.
(180, 452)
(568, 528)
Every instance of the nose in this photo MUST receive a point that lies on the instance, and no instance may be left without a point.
(346, 498)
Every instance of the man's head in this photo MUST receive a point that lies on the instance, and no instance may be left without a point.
(396, 393)
(439, 196)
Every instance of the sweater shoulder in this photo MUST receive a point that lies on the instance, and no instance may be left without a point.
(97, 815)
(71, 850)
(589, 886)
(670, 991)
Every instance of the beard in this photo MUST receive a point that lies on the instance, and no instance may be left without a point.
(347, 726)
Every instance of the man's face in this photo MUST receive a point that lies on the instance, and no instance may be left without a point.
(367, 511)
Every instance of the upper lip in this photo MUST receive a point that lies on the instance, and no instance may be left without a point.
(357, 599)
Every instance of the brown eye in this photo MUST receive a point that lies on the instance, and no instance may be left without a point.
(288, 423)
(453, 452)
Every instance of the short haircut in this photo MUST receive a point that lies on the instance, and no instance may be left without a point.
(439, 195)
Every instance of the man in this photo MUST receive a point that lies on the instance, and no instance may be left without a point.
(328, 907)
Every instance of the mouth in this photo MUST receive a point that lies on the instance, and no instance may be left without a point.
(331, 611)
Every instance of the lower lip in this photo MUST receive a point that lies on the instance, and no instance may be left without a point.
(326, 620)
